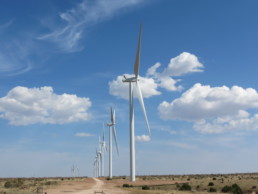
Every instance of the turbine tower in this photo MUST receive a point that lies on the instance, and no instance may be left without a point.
(135, 80)
(103, 148)
(95, 167)
(99, 159)
(112, 130)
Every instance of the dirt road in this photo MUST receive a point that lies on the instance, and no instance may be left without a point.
(100, 186)
(87, 187)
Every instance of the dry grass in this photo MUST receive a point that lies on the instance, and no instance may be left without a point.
(31, 185)
(170, 184)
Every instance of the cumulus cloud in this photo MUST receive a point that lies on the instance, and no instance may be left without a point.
(120, 89)
(241, 121)
(181, 65)
(142, 138)
(25, 106)
(83, 135)
(184, 63)
(214, 109)
(81, 16)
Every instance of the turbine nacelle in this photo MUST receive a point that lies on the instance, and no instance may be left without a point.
(110, 124)
(131, 79)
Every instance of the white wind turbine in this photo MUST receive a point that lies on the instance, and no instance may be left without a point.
(99, 159)
(103, 148)
(95, 167)
(112, 130)
(135, 80)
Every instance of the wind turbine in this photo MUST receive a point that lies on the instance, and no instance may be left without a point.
(95, 167)
(99, 157)
(135, 80)
(72, 171)
(103, 148)
(112, 130)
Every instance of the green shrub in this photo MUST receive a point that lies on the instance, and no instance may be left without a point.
(126, 185)
(145, 187)
(212, 190)
(14, 183)
(226, 189)
(214, 178)
(8, 184)
(236, 189)
(109, 179)
(211, 184)
(185, 187)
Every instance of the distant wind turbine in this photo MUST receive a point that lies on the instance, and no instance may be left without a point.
(95, 171)
(131, 106)
(103, 149)
(112, 130)
(99, 159)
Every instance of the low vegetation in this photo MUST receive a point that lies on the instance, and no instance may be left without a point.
(185, 187)
(29, 185)
(198, 184)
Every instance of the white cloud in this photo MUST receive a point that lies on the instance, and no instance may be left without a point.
(200, 102)
(83, 15)
(182, 145)
(83, 135)
(142, 138)
(120, 89)
(182, 64)
(14, 53)
(214, 109)
(25, 106)
(240, 121)
(5, 25)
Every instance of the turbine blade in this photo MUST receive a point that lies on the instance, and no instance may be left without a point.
(114, 134)
(142, 105)
(103, 136)
(137, 59)
(114, 117)
(111, 115)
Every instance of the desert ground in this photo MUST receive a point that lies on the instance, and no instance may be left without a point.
(163, 184)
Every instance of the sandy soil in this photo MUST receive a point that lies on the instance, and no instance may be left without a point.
(87, 186)
(142, 182)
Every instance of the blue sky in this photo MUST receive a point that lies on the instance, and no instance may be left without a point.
(61, 64)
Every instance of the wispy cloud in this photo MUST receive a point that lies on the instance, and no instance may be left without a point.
(14, 53)
(14, 63)
(5, 25)
(182, 145)
(142, 138)
(83, 135)
(87, 13)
